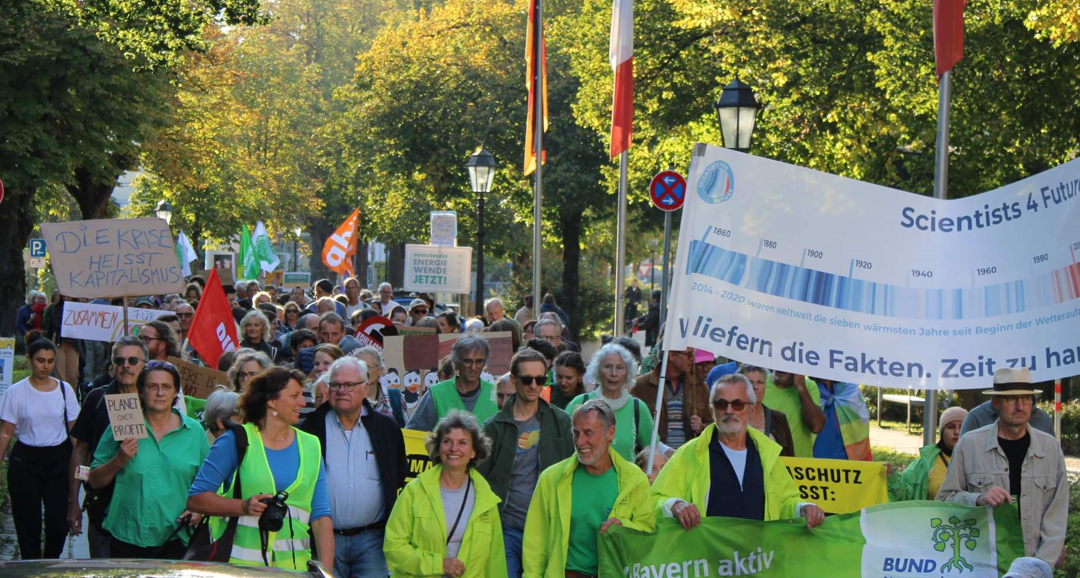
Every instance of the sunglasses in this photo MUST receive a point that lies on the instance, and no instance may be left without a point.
(722, 404)
(419, 311)
(528, 380)
(160, 365)
(132, 361)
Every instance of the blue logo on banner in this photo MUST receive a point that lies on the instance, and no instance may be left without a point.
(717, 183)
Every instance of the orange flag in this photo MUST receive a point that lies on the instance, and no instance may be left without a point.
(340, 248)
(533, 34)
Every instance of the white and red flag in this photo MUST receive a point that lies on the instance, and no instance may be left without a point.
(621, 55)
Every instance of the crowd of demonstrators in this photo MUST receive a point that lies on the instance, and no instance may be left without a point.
(311, 421)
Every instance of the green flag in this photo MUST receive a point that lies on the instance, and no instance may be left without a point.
(264, 250)
(249, 264)
(919, 538)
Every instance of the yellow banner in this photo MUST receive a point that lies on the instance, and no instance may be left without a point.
(839, 486)
(415, 452)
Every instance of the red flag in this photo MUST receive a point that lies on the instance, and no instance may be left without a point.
(213, 329)
(533, 32)
(948, 33)
(621, 56)
(340, 248)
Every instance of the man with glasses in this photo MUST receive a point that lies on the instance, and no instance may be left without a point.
(185, 312)
(367, 469)
(128, 358)
(418, 309)
(386, 299)
(465, 392)
(527, 436)
(730, 470)
(160, 341)
(1010, 462)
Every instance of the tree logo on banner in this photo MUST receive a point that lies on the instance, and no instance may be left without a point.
(956, 535)
(717, 183)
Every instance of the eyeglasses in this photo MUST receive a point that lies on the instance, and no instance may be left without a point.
(528, 380)
(148, 339)
(419, 311)
(722, 404)
(132, 361)
(248, 374)
(346, 385)
(473, 362)
(159, 365)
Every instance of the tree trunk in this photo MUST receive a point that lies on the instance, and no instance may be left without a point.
(15, 227)
(571, 279)
(92, 197)
(320, 231)
(395, 265)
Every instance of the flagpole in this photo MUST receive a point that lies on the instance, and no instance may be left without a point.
(941, 191)
(538, 135)
(620, 243)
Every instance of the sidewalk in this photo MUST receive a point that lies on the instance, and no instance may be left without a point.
(903, 442)
(75, 547)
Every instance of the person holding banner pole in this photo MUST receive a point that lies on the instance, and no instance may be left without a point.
(731, 470)
(37, 413)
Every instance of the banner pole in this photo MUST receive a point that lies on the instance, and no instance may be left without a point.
(538, 132)
(659, 401)
(941, 191)
(125, 318)
(620, 248)
(665, 280)
(1057, 409)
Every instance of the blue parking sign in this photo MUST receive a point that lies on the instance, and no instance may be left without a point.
(37, 248)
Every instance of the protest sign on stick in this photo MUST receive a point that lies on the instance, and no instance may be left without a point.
(113, 257)
(125, 416)
(103, 322)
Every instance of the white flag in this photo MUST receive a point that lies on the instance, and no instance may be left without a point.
(264, 250)
(185, 252)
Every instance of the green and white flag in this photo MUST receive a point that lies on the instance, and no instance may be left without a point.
(185, 253)
(899, 540)
(264, 250)
(249, 265)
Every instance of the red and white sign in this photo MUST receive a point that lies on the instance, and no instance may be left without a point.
(370, 331)
(668, 191)
(621, 57)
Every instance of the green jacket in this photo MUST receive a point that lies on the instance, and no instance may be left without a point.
(913, 483)
(547, 527)
(415, 539)
(556, 443)
(687, 476)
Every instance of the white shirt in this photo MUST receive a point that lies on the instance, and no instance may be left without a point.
(38, 416)
(388, 307)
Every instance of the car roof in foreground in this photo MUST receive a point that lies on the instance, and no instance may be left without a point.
(71, 568)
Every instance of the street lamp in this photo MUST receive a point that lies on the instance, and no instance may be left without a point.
(481, 167)
(737, 111)
(164, 211)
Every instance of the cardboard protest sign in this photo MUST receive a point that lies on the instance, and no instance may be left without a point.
(198, 381)
(103, 322)
(296, 279)
(502, 350)
(416, 453)
(413, 330)
(125, 416)
(420, 351)
(113, 257)
(275, 278)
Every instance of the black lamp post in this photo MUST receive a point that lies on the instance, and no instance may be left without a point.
(737, 112)
(481, 167)
(296, 241)
(164, 211)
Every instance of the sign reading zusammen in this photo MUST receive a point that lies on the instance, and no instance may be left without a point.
(901, 540)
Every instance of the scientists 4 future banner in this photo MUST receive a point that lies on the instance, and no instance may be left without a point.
(808, 272)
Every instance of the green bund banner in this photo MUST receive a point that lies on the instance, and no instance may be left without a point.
(901, 540)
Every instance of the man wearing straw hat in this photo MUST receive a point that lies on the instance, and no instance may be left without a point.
(1009, 461)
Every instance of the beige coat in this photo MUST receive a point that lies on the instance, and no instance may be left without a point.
(979, 463)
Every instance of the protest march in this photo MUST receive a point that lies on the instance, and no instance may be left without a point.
(562, 386)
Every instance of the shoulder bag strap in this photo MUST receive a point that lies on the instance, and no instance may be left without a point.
(464, 501)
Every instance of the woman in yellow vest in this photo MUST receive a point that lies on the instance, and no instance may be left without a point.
(446, 522)
(279, 460)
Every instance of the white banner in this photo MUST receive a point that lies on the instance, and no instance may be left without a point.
(438, 269)
(103, 322)
(807, 272)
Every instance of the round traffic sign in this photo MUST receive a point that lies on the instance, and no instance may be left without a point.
(668, 191)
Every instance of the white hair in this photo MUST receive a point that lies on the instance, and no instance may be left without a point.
(592, 373)
(734, 378)
(387, 285)
(474, 326)
(373, 354)
(341, 362)
(32, 295)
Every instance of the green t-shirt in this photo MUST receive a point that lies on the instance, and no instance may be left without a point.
(590, 504)
(624, 424)
(154, 484)
(786, 401)
(195, 407)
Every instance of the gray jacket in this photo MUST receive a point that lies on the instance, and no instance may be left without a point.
(979, 463)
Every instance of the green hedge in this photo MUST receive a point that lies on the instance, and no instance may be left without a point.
(1070, 424)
